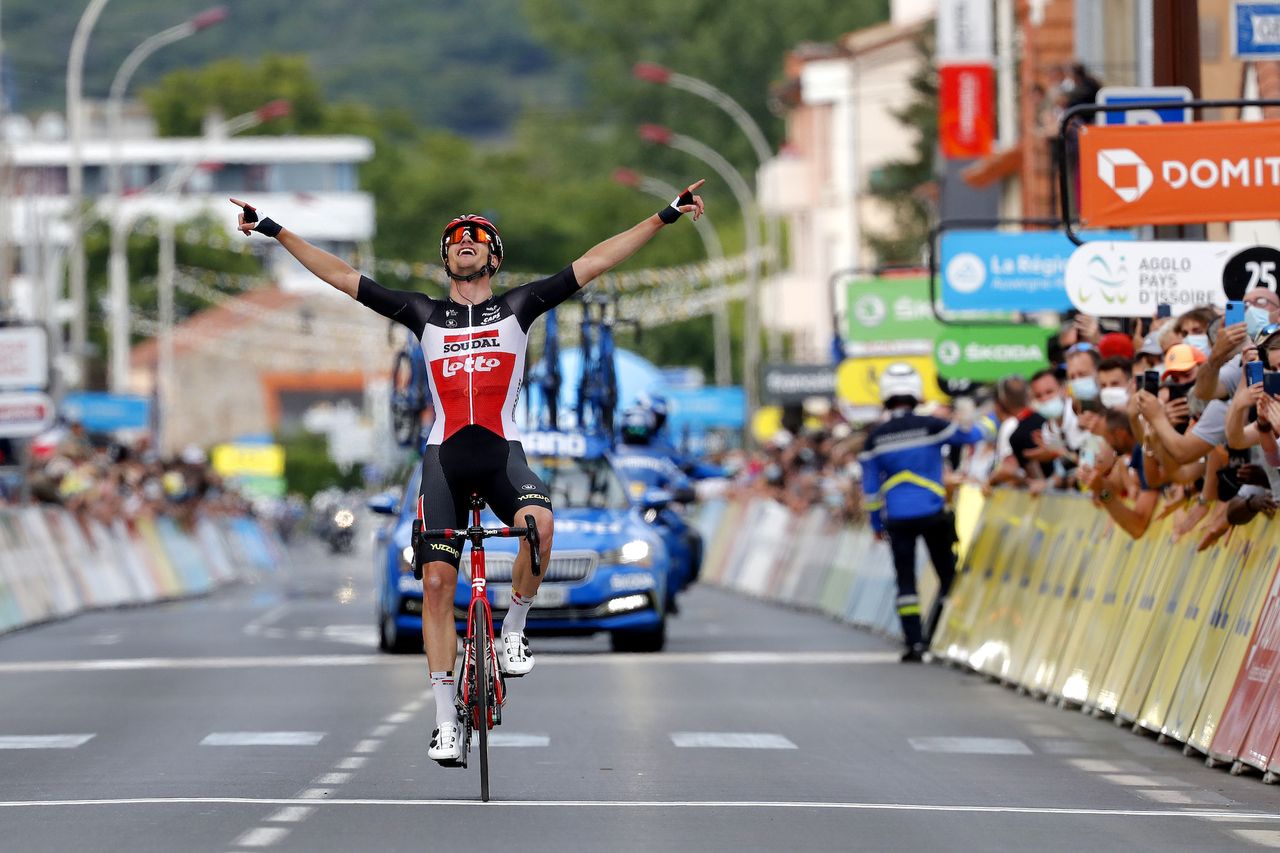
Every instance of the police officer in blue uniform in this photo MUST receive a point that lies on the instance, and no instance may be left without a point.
(902, 465)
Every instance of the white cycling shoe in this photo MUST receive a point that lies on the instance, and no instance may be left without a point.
(515, 659)
(446, 746)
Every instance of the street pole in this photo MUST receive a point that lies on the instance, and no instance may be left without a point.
(751, 227)
(164, 379)
(653, 73)
(117, 265)
(715, 251)
(6, 194)
(75, 184)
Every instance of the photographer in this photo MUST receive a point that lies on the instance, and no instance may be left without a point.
(1168, 415)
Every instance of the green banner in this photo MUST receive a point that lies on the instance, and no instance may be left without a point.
(986, 353)
(889, 316)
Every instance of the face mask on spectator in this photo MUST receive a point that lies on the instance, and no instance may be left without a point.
(1255, 319)
(1114, 398)
(1200, 342)
(1050, 409)
(1084, 388)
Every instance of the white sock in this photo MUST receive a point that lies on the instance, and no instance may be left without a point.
(514, 621)
(442, 688)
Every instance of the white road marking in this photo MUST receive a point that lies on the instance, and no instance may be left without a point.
(262, 739)
(1262, 837)
(355, 762)
(333, 779)
(545, 659)
(291, 814)
(518, 739)
(104, 640)
(399, 717)
(1043, 730)
(1183, 798)
(970, 745)
(1138, 780)
(308, 633)
(1094, 765)
(262, 836)
(356, 635)
(382, 731)
(1067, 746)
(368, 745)
(256, 626)
(312, 797)
(43, 741)
(731, 740)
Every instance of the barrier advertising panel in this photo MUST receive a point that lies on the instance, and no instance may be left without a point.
(1132, 279)
(986, 353)
(1174, 173)
(1003, 272)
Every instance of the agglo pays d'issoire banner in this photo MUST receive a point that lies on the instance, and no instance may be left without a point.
(1131, 279)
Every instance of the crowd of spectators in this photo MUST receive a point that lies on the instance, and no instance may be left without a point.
(1172, 408)
(105, 480)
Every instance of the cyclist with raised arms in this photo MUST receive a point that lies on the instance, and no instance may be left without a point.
(474, 343)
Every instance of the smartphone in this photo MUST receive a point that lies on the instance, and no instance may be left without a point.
(1163, 311)
(1271, 382)
(1253, 372)
(1235, 313)
(1177, 392)
(1151, 381)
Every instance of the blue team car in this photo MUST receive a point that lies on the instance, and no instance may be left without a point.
(608, 570)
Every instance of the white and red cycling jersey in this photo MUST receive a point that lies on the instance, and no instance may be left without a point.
(475, 353)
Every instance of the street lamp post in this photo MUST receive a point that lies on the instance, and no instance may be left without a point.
(117, 271)
(715, 251)
(652, 72)
(751, 225)
(75, 181)
(166, 385)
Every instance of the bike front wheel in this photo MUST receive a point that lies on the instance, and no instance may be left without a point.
(484, 687)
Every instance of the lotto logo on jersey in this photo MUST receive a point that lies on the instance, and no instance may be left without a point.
(471, 364)
(465, 343)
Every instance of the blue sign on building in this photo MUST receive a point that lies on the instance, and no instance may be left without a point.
(1255, 30)
(1004, 272)
(101, 412)
(1124, 95)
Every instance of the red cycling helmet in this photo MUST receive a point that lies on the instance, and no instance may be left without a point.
(482, 227)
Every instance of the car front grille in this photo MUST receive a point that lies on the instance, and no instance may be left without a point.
(566, 566)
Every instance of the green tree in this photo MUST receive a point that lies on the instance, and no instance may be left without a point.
(900, 183)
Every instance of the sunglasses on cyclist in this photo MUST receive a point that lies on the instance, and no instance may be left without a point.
(462, 232)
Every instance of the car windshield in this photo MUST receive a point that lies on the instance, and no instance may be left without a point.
(581, 482)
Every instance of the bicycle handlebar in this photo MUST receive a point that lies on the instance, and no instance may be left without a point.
(485, 533)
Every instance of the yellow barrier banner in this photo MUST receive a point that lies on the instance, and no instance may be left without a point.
(1214, 651)
(1109, 546)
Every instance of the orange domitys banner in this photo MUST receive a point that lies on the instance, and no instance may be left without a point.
(1175, 173)
(966, 110)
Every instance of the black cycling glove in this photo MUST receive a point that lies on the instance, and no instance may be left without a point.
(266, 226)
(672, 212)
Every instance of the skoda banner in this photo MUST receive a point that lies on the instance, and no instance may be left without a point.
(889, 316)
(985, 353)
(1131, 279)
(1003, 272)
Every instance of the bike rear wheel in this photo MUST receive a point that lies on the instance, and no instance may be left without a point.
(482, 702)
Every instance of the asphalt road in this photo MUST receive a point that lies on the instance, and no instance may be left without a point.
(262, 718)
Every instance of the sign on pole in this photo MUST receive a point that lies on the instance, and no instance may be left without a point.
(966, 110)
(1255, 30)
(1121, 95)
(889, 316)
(24, 357)
(24, 414)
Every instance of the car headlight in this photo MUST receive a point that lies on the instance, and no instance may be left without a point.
(634, 553)
(344, 518)
(628, 603)
(406, 559)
